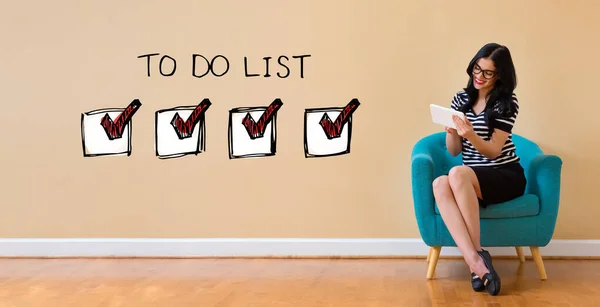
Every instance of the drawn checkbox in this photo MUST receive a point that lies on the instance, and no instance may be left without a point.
(181, 130)
(324, 137)
(252, 131)
(107, 132)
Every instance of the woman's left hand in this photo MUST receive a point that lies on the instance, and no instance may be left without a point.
(464, 128)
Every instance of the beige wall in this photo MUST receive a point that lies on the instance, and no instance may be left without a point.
(397, 57)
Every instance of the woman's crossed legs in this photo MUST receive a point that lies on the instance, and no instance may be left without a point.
(457, 198)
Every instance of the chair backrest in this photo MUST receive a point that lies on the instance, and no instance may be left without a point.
(526, 150)
(435, 145)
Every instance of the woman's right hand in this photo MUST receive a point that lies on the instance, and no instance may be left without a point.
(451, 130)
(453, 141)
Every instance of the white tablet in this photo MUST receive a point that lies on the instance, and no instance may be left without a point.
(443, 116)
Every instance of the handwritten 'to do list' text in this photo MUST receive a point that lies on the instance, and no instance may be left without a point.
(202, 66)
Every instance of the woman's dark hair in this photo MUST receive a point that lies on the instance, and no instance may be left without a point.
(500, 97)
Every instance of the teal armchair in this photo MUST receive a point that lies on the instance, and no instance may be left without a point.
(528, 220)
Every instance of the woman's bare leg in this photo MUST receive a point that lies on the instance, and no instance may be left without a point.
(455, 223)
(466, 190)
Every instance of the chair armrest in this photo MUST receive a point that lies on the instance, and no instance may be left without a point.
(422, 191)
(544, 180)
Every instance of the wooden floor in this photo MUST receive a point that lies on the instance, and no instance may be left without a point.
(287, 282)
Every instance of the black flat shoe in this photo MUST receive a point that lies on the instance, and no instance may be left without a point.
(477, 283)
(491, 280)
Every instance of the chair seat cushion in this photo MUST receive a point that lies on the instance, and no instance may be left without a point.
(526, 205)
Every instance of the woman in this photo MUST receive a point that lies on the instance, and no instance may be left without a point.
(491, 172)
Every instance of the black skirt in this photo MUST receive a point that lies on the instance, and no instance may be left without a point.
(499, 184)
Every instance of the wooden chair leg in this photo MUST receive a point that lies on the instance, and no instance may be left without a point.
(537, 257)
(520, 253)
(434, 253)
(429, 254)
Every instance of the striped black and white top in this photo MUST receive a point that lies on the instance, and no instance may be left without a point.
(470, 155)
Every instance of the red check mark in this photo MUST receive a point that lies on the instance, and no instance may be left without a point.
(114, 130)
(334, 129)
(184, 128)
(257, 129)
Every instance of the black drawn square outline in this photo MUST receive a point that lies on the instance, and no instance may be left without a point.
(273, 145)
(326, 109)
(127, 152)
(200, 142)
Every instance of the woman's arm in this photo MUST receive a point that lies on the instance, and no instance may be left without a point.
(492, 148)
(453, 141)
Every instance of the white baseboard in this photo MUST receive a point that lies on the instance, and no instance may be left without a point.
(233, 247)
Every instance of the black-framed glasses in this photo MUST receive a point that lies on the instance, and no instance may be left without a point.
(487, 74)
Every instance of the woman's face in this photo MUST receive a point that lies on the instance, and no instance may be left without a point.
(484, 74)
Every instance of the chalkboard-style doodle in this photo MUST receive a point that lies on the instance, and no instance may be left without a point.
(181, 130)
(252, 131)
(107, 132)
(327, 131)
